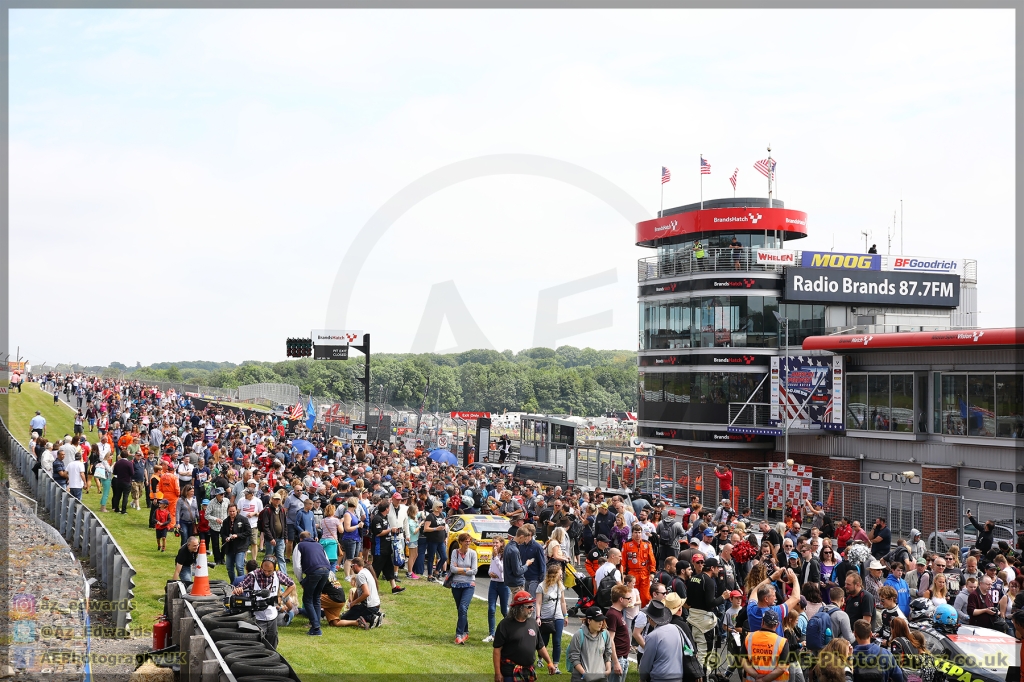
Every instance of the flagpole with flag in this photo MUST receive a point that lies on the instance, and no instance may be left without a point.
(310, 414)
(735, 173)
(705, 169)
(666, 175)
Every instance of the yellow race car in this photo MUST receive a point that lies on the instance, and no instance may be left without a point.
(483, 528)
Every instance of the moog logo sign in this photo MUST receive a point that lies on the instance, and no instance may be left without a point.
(844, 261)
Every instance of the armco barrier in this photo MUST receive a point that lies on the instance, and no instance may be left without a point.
(80, 527)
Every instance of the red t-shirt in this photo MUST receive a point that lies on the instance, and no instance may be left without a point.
(620, 632)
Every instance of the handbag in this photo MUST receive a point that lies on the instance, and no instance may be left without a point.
(99, 472)
(447, 584)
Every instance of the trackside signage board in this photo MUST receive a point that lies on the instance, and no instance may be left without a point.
(840, 261)
(920, 290)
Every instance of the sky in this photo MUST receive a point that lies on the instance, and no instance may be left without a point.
(187, 183)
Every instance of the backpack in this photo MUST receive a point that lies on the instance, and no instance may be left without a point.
(575, 528)
(665, 534)
(819, 630)
(604, 590)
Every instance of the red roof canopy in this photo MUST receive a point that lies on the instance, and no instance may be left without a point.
(940, 339)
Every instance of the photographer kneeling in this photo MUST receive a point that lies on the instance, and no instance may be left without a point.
(269, 580)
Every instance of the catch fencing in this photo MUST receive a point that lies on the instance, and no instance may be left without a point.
(942, 519)
(80, 527)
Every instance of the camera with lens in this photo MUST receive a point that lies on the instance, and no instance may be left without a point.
(253, 601)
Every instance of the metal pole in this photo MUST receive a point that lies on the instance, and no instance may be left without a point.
(786, 436)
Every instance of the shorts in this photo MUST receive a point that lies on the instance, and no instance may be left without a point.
(78, 429)
(383, 565)
(350, 548)
(293, 533)
(161, 533)
(361, 611)
(366, 542)
(413, 544)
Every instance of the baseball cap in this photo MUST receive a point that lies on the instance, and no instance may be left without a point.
(396, 496)
(206, 502)
(593, 613)
(735, 593)
(922, 562)
(694, 541)
(522, 597)
(671, 512)
(697, 557)
(276, 496)
(603, 538)
(710, 562)
(794, 555)
(708, 531)
(769, 620)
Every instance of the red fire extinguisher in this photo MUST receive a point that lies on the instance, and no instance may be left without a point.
(161, 633)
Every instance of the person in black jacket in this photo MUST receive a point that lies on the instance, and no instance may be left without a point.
(810, 568)
(703, 601)
(984, 541)
(235, 534)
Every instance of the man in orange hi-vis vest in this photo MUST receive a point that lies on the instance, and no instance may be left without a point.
(638, 559)
(767, 652)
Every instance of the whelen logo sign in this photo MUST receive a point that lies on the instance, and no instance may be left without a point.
(776, 257)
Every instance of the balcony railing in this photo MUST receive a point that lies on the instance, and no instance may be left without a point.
(744, 259)
(749, 414)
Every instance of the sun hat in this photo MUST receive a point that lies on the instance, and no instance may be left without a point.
(672, 601)
(658, 613)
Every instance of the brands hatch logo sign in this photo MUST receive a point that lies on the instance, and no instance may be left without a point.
(742, 359)
(670, 227)
(864, 340)
(749, 437)
(736, 283)
(670, 360)
(973, 336)
(665, 433)
(667, 287)
(754, 219)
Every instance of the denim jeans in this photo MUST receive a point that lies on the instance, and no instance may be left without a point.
(554, 631)
(276, 551)
(236, 564)
(76, 493)
(350, 548)
(497, 592)
(432, 549)
(624, 664)
(186, 530)
(463, 597)
(312, 587)
(417, 566)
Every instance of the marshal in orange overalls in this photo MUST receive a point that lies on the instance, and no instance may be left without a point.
(638, 558)
(168, 486)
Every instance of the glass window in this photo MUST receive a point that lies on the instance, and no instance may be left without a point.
(974, 483)
(990, 485)
(887, 478)
(1009, 406)
(954, 404)
(874, 476)
(856, 401)
(653, 388)
(1006, 487)
(903, 402)
(878, 402)
(981, 393)
(1020, 488)
(674, 388)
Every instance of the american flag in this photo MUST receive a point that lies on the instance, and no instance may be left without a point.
(733, 178)
(666, 175)
(705, 167)
(765, 166)
(297, 412)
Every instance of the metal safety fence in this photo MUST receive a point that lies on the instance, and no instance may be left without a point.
(80, 527)
(942, 519)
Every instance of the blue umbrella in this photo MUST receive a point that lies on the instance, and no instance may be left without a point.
(299, 446)
(442, 456)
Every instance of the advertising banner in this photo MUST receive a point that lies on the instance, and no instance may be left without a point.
(775, 257)
(470, 415)
(722, 219)
(947, 266)
(841, 261)
(919, 290)
(787, 485)
(807, 394)
(702, 359)
(336, 337)
(711, 284)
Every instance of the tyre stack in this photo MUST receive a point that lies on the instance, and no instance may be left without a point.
(238, 640)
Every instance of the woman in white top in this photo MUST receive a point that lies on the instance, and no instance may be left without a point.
(497, 592)
(555, 548)
(552, 612)
(937, 593)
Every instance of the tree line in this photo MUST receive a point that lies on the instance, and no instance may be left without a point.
(567, 380)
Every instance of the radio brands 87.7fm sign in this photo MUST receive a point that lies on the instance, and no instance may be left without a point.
(920, 290)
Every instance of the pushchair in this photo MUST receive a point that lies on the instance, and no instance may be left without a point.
(584, 587)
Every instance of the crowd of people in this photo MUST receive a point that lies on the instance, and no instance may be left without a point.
(360, 512)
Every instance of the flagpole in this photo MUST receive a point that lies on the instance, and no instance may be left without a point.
(769, 175)
(661, 208)
(702, 182)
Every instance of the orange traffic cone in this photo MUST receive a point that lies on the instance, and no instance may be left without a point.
(201, 575)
